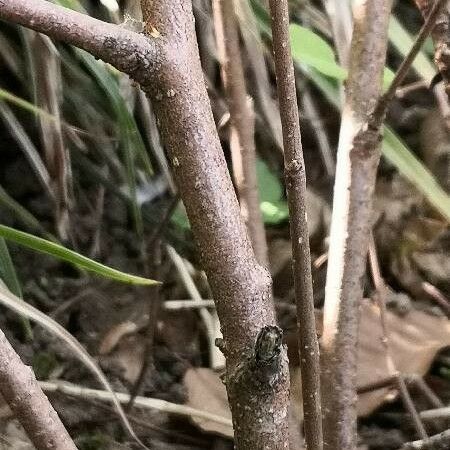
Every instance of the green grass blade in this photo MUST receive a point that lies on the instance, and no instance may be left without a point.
(9, 276)
(23, 215)
(132, 142)
(8, 271)
(24, 142)
(396, 152)
(24, 104)
(64, 254)
(127, 124)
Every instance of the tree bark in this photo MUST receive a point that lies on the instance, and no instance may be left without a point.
(30, 405)
(165, 62)
(357, 162)
(294, 169)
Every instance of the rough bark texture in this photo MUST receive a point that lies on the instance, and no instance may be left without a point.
(130, 52)
(241, 286)
(165, 62)
(242, 141)
(441, 38)
(358, 157)
(294, 168)
(20, 389)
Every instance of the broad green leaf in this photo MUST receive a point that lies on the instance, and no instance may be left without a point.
(179, 218)
(269, 186)
(310, 49)
(64, 254)
(393, 148)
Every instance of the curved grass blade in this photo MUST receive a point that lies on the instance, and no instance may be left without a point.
(396, 152)
(9, 276)
(8, 271)
(64, 254)
(24, 142)
(24, 215)
(402, 40)
(24, 309)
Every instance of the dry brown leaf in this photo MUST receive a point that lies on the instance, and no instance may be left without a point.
(415, 339)
(207, 393)
(114, 335)
(128, 356)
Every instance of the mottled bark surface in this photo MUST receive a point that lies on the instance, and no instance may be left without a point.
(357, 162)
(29, 404)
(294, 169)
(165, 62)
(241, 287)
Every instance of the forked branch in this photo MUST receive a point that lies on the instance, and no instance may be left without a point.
(165, 61)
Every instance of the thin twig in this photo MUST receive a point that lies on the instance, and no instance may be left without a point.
(188, 304)
(294, 167)
(139, 402)
(409, 406)
(436, 413)
(427, 392)
(386, 98)
(438, 296)
(440, 441)
(209, 320)
(154, 300)
(380, 286)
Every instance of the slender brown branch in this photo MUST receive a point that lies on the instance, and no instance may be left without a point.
(357, 161)
(165, 61)
(441, 38)
(410, 407)
(130, 52)
(380, 286)
(242, 141)
(402, 71)
(258, 393)
(294, 167)
(20, 389)
(154, 302)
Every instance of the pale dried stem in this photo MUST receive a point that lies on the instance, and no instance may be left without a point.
(357, 162)
(242, 140)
